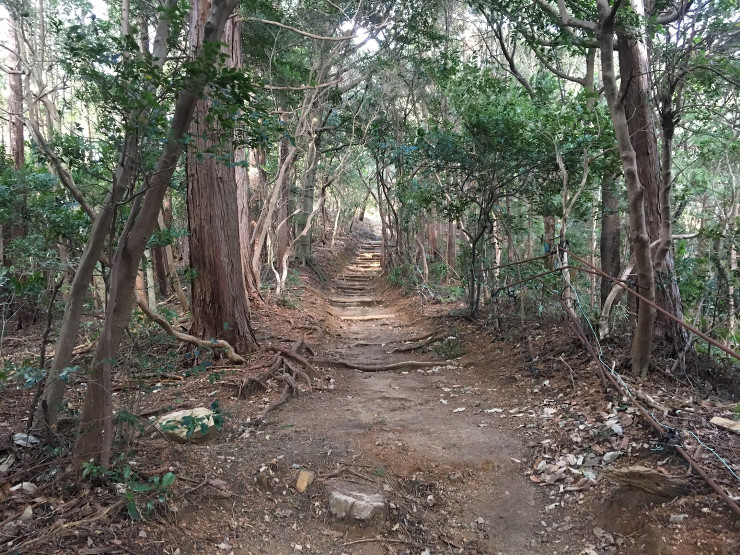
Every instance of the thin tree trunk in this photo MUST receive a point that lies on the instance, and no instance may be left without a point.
(610, 240)
(634, 67)
(304, 245)
(51, 399)
(733, 228)
(451, 254)
(15, 98)
(643, 338)
(283, 230)
(150, 286)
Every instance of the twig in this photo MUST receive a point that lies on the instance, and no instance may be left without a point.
(42, 354)
(571, 373)
(194, 488)
(66, 528)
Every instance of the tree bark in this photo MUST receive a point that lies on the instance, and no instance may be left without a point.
(303, 247)
(283, 230)
(220, 304)
(635, 91)
(610, 234)
(15, 98)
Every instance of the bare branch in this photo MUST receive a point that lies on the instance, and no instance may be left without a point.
(299, 31)
(675, 14)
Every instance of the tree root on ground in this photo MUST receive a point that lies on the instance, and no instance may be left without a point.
(288, 353)
(413, 346)
(382, 367)
(232, 355)
(288, 366)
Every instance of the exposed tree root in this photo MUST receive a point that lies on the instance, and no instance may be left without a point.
(413, 346)
(310, 370)
(284, 396)
(382, 367)
(204, 343)
(287, 366)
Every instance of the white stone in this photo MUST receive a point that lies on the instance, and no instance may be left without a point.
(356, 505)
(174, 426)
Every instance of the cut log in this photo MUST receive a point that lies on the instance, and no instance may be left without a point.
(726, 424)
(649, 480)
(368, 317)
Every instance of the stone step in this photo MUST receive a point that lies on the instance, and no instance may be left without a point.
(366, 317)
(352, 301)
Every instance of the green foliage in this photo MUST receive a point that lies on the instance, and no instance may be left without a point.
(450, 347)
(166, 236)
(142, 496)
(405, 276)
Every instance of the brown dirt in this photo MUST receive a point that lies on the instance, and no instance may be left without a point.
(458, 481)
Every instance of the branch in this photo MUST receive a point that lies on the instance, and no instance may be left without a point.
(512, 66)
(298, 31)
(64, 176)
(302, 87)
(676, 14)
(187, 338)
(565, 17)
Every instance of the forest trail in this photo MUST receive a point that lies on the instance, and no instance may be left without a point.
(419, 437)
(471, 435)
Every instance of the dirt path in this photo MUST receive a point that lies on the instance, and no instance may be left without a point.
(453, 478)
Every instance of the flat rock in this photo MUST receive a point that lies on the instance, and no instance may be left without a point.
(183, 426)
(726, 423)
(356, 505)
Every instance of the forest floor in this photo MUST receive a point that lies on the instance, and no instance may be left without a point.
(487, 441)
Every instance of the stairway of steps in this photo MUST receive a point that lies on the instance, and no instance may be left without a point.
(352, 294)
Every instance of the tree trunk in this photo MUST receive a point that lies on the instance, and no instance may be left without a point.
(733, 232)
(451, 247)
(95, 439)
(643, 338)
(283, 230)
(433, 236)
(634, 65)
(15, 98)
(47, 412)
(549, 245)
(160, 271)
(242, 178)
(610, 234)
(220, 304)
(303, 247)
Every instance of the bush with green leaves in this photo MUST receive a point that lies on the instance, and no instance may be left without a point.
(142, 496)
